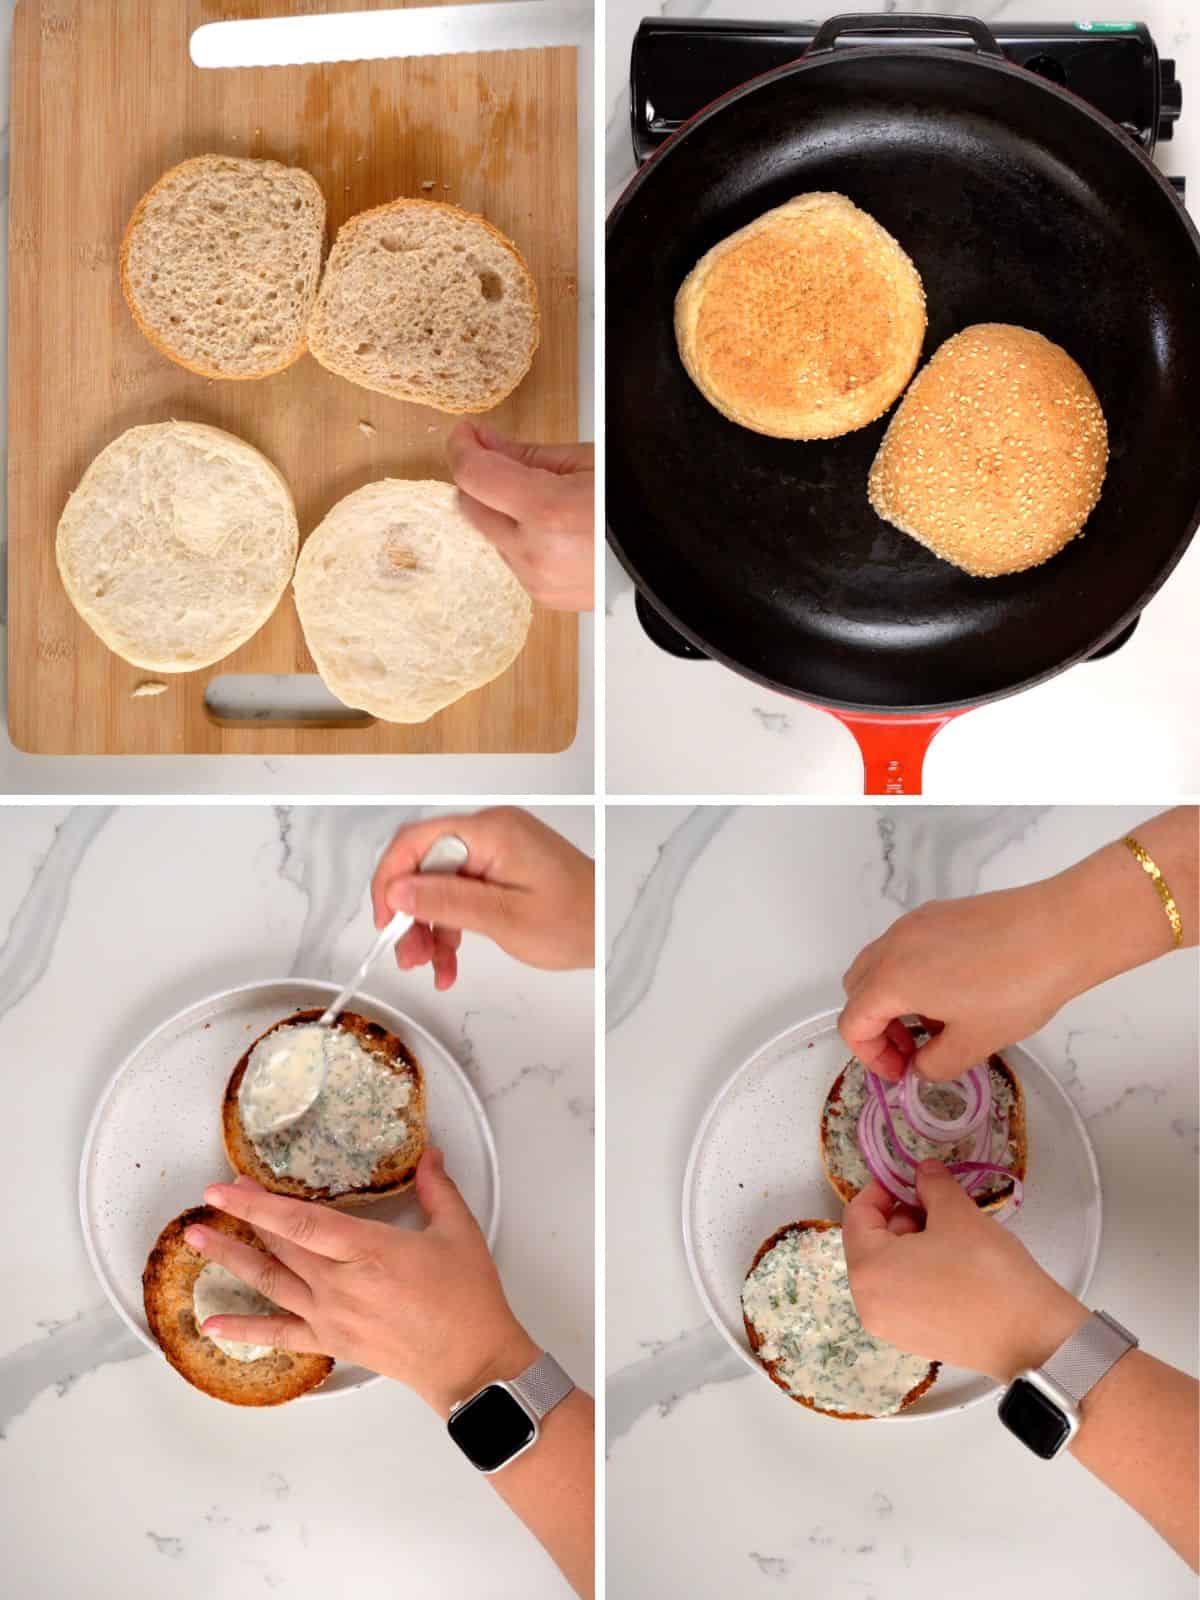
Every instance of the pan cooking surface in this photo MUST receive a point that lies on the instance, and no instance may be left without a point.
(1017, 205)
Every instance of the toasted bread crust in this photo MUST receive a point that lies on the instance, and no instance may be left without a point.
(393, 1175)
(326, 357)
(167, 1287)
(820, 1225)
(1018, 1132)
(149, 333)
(805, 324)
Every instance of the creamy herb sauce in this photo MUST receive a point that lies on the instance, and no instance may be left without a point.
(282, 1078)
(217, 1293)
(841, 1144)
(799, 1300)
(353, 1123)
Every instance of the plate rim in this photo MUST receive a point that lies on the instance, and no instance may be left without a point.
(236, 992)
(820, 1021)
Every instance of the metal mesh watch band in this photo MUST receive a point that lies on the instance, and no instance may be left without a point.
(1099, 1344)
(542, 1385)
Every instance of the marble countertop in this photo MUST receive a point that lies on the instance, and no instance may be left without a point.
(724, 927)
(567, 773)
(1057, 737)
(118, 1479)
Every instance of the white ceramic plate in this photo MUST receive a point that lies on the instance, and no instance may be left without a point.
(154, 1141)
(755, 1165)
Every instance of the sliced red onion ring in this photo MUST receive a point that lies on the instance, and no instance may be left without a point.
(976, 1090)
(883, 1151)
(879, 1160)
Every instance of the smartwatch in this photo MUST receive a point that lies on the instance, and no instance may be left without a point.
(503, 1419)
(1042, 1406)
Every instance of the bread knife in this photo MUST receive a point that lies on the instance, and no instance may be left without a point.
(377, 35)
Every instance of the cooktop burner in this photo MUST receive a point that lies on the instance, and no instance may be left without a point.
(678, 66)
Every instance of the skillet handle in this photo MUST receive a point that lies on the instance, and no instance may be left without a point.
(872, 22)
(893, 748)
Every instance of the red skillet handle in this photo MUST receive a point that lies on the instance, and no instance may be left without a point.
(893, 748)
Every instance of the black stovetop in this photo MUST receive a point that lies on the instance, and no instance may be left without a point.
(680, 66)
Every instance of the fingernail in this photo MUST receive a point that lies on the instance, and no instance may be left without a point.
(401, 896)
(195, 1237)
(930, 1165)
(214, 1194)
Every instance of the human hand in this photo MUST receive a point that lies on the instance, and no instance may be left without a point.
(962, 1289)
(523, 886)
(424, 1308)
(981, 973)
(536, 503)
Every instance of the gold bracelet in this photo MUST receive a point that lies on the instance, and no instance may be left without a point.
(1150, 867)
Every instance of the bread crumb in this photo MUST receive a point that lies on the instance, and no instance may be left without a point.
(148, 687)
(367, 428)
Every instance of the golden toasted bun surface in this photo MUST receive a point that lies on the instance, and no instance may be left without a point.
(997, 453)
(806, 324)
(772, 1368)
(395, 1173)
(168, 1283)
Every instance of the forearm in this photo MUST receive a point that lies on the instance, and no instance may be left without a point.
(1138, 1432)
(1139, 1437)
(551, 1489)
(1111, 916)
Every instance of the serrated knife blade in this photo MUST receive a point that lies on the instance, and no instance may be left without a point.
(378, 35)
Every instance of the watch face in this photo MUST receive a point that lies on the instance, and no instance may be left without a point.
(1035, 1419)
(491, 1428)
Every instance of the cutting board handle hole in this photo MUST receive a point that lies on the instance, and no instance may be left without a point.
(297, 700)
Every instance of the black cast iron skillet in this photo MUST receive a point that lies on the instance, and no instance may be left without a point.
(1018, 203)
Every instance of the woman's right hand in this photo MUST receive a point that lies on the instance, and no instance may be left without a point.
(961, 1289)
(524, 886)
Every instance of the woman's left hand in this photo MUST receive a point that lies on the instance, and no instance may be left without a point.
(424, 1308)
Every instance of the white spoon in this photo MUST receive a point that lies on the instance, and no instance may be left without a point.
(284, 1086)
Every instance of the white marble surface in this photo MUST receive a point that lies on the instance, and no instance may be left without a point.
(731, 736)
(567, 773)
(723, 928)
(116, 1478)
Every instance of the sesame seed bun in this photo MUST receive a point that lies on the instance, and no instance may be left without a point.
(806, 324)
(997, 453)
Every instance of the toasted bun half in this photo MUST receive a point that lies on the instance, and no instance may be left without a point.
(424, 302)
(220, 264)
(1018, 1133)
(167, 1287)
(393, 1175)
(772, 1367)
(405, 606)
(806, 324)
(997, 453)
(177, 545)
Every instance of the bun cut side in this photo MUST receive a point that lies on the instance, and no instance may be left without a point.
(220, 264)
(424, 302)
(177, 545)
(404, 605)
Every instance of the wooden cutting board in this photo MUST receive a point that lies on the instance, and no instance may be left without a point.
(104, 99)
